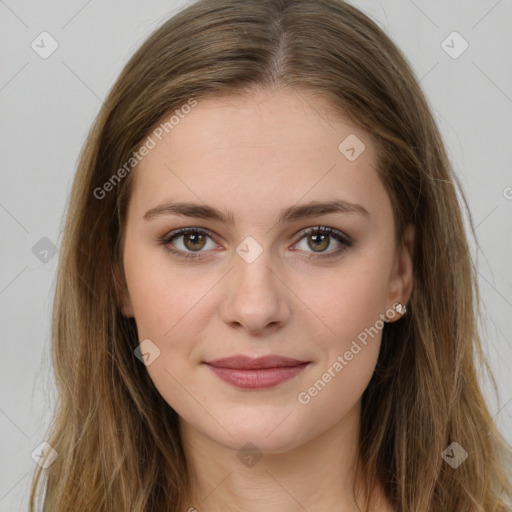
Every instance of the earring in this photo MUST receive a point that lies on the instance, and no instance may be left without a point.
(401, 309)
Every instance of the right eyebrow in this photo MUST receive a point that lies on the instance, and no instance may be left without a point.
(289, 214)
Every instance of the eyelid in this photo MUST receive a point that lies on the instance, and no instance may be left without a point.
(327, 230)
(166, 241)
(342, 238)
(338, 235)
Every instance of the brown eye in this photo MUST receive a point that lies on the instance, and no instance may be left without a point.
(194, 241)
(187, 243)
(319, 240)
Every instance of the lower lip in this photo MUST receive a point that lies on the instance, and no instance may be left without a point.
(260, 378)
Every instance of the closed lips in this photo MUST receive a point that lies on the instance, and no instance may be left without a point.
(246, 363)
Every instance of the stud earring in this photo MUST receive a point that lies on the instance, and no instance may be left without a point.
(401, 309)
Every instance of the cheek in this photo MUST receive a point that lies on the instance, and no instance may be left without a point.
(351, 309)
(162, 296)
(166, 305)
(348, 357)
(347, 300)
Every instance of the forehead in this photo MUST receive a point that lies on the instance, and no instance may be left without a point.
(254, 150)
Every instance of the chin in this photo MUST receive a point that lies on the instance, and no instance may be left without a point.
(250, 439)
(271, 432)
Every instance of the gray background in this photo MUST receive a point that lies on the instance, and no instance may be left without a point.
(47, 106)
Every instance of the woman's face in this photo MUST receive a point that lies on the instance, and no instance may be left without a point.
(253, 172)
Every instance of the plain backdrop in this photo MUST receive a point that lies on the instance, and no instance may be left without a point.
(48, 104)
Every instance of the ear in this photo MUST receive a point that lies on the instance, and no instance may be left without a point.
(123, 297)
(401, 282)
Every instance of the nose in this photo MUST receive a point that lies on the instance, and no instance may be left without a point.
(255, 298)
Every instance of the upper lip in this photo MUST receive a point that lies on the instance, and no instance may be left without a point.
(248, 363)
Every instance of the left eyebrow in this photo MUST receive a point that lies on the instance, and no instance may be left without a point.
(289, 214)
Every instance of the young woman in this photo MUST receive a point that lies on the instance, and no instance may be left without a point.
(265, 299)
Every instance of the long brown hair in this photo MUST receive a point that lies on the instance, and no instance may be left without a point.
(116, 438)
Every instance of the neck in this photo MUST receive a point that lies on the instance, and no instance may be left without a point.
(316, 475)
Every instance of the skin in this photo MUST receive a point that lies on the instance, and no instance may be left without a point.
(244, 154)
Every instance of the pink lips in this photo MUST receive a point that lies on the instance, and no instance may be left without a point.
(260, 373)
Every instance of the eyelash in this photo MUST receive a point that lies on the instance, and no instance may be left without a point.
(345, 240)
